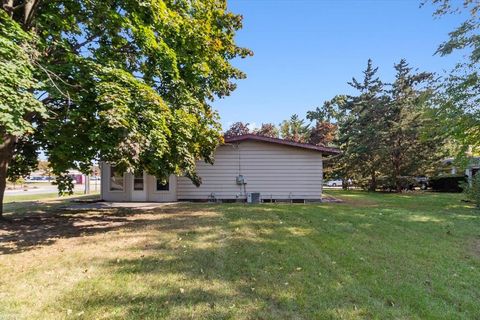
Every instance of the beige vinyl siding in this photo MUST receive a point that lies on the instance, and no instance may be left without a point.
(276, 171)
(163, 195)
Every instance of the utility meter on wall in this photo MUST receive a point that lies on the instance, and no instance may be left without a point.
(241, 180)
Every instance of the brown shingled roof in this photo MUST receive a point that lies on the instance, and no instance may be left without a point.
(254, 137)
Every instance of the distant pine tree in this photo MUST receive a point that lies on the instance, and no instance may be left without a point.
(294, 129)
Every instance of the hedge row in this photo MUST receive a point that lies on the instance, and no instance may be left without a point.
(448, 183)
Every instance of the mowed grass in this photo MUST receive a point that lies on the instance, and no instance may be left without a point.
(376, 256)
(33, 197)
(28, 203)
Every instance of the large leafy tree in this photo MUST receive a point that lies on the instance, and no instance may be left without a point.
(237, 129)
(461, 98)
(267, 130)
(124, 81)
(322, 132)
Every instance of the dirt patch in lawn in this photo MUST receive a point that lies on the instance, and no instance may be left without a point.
(476, 248)
(353, 199)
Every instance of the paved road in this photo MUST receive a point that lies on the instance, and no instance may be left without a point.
(45, 188)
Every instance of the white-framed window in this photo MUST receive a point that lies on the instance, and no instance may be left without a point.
(161, 186)
(117, 179)
(138, 181)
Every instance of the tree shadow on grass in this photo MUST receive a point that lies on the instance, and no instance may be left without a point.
(26, 233)
(221, 277)
(250, 272)
(161, 303)
(49, 222)
(17, 209)
(269, 269)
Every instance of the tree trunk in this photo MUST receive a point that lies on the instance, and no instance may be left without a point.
(373, 182)
(6, 152)
(8, 6)
(399, 185)
(30, 9)
(397, 179)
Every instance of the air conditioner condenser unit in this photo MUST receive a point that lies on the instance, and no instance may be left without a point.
(253, 197)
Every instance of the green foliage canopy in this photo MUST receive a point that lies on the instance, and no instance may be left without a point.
(126, 81)
(267, 130)
(461, 95)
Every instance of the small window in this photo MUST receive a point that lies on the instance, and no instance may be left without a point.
(162, 186)
(138, 182)
(116, 179)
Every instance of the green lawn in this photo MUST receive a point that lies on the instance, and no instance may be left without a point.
(376, 256)
(32, 197)
(28, 203)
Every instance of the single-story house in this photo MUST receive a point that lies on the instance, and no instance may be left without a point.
(471, 169)
(247, 168)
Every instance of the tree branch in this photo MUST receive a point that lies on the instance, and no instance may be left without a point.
(31, 7)
(48, 73)
(88, 40)
(8, 6)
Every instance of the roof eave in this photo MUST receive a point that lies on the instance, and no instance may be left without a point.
(254, 137)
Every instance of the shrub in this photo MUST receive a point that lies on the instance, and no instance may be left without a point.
(472, 190)
(385, 183)
(447, 183)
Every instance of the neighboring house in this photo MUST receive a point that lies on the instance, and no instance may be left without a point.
(471, 169)
(249, 165)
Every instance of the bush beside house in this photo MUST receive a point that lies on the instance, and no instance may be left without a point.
(451, 183)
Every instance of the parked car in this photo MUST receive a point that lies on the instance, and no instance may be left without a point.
(334, 183)
(35, 179)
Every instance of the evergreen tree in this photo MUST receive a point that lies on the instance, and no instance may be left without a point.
(360, 128)
(411, 138)
(294, 129)
(390, 133)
